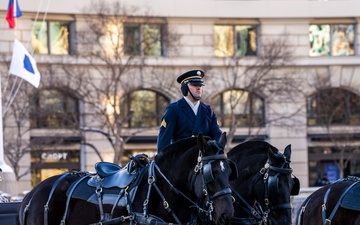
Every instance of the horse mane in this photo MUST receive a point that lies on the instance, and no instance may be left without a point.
(251, 156)
(176, 149)
(255, 145)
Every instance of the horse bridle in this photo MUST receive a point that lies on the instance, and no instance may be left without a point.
(271, 187)
(203, 167)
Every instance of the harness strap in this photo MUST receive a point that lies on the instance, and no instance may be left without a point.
(328, 220)
(114, 221)
(69, 197)
(225, 191)
(302, 210)
(166, 204)
(98, 192)
(282, 206)
(25, 212)
(266, 194)
(175, 189)
(248, 208)
(152, 180)
(323, 207)
(46, 206)
(121, 193)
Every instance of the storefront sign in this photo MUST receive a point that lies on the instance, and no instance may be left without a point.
(54, 156)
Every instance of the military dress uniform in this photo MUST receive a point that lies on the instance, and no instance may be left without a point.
(179, 120)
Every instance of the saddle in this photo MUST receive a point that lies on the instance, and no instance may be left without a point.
(351, 199)
(108, 184)
(110, 175)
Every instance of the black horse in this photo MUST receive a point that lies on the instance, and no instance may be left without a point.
(163, 191)
(336, 204)
(262, 190)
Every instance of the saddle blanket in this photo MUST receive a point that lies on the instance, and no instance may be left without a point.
(351, 199)
(85, 192)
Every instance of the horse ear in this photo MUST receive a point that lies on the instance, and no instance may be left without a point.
(287, 152)
(201, 142)
(271, 155)
(223, 139)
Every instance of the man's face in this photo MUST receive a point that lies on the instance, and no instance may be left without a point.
(196, 91)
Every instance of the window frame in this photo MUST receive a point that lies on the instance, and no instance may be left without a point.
(126, 103)
(234, 45)
(41, 120)
(331, 40)
(248, 118)
(142, 45)
(312, 112)
(71, 39)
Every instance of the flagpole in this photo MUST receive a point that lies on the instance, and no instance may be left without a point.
(3, 166)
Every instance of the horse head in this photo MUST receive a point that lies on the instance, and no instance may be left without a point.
(277, 186)
(199, 170)
(215, 170)
(266, 182)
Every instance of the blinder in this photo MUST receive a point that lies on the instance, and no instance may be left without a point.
(207, 168)
(207, 173)
(273, 184)
(273, 181)
(296, 188)
(208, 176)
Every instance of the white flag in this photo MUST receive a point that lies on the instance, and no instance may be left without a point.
(24, 65)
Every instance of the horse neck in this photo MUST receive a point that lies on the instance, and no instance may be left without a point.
(178, 166)
(173, 173)
(250, 162)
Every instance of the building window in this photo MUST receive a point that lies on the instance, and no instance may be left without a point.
(245, 108)
(325, 159)
(238, 41)
(143, 39)
(332, 40)
(143, 108)
(47, 163)
(54, 109)
(333, 106)
(53, 37)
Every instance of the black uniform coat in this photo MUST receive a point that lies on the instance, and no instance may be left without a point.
(179, 121)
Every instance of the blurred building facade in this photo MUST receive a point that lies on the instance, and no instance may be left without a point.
(318, 112)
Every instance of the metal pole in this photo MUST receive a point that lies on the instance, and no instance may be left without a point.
(5, 168)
